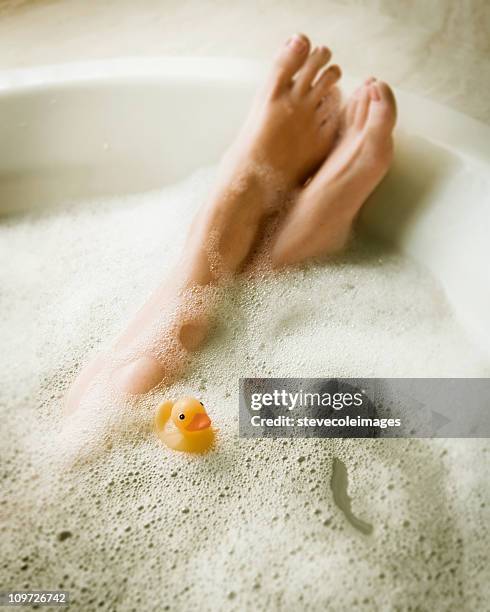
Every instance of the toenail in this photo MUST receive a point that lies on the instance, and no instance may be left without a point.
(374, 93)
(297, 44)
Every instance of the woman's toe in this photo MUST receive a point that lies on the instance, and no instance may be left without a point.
(325, 83)
(382, 108)
(349, 112)
(330, 107)
(315, 62)
(289, 60)
(362, 108)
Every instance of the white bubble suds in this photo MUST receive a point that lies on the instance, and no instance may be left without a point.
(99, 507)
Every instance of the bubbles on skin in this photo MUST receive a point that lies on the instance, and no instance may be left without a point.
(98, 507)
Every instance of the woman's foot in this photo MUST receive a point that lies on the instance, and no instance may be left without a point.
(294, 119)
(320, 221)
(291, 128)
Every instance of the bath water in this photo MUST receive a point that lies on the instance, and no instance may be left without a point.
(98, 507)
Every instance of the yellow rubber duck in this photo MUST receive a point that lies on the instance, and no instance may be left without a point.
(194, 433)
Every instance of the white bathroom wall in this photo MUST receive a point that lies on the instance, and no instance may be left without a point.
(437, 48)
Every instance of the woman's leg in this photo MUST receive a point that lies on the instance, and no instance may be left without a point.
(289, 132)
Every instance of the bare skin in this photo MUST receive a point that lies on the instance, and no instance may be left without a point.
(321, 219)
(290, 138)
(291, 129)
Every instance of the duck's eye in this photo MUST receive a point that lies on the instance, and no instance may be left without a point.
(181, 417)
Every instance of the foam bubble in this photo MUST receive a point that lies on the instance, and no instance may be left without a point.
(98, 507)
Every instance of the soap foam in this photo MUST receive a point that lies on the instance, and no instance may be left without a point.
(98, 507)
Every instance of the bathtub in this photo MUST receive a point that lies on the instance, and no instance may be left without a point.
(124, 126)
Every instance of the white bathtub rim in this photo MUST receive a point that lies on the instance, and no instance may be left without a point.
(434, 121)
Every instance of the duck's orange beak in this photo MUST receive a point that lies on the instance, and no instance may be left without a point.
(199, 421)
